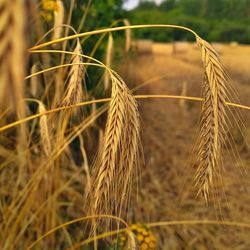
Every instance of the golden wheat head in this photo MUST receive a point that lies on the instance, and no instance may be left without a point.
(118, 156)
(74, 90)
(213, 123)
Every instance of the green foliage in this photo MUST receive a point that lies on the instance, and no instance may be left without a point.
(168, 5)
(230, 31)
(147, 5)
(219, 20)
(99, 14)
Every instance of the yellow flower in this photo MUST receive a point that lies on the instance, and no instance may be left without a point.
(145, 239)
(47, 16)
(134, 227)
(140, 237)
(144, 246)
(49, 5)
(123, 238)
(152, 245)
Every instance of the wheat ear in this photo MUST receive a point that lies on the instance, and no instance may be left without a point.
(74, 91)
(213, 120)
(129, 157)
(118, 153)
(44, 130)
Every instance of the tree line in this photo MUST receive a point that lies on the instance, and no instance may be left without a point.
(217, 20)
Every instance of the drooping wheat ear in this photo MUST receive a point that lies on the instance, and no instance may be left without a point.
(118, 155)
(213, 120)
(128, 35)
(74, 91)
(44, 130)
(108, 60)
(58, 20)
(129, 158)
(12, 53)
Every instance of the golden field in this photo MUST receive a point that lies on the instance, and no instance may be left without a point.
(169, 130)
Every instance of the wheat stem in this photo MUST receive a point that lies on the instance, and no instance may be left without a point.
(96, 32)
(152, 224)
(104, 100)
(163, 223)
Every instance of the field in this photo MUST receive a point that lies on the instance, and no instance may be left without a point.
(169, 130)
(109, 142)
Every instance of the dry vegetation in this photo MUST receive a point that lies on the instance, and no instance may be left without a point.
(67, 179)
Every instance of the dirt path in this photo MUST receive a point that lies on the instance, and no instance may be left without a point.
(168, 134)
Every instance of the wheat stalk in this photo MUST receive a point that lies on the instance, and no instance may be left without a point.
(118, 153)
(213, 120)
(108, 60)
(58, 20)
(128, 35)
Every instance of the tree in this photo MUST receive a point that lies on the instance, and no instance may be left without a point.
(147, 5)
(214, 9)
(168, 5)
(190, 7)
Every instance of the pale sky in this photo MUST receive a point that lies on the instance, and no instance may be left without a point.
(130, 4)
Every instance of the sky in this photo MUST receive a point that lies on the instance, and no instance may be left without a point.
(130, 4)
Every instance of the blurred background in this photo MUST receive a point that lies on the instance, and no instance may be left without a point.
(167, 61)
(217, 20)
